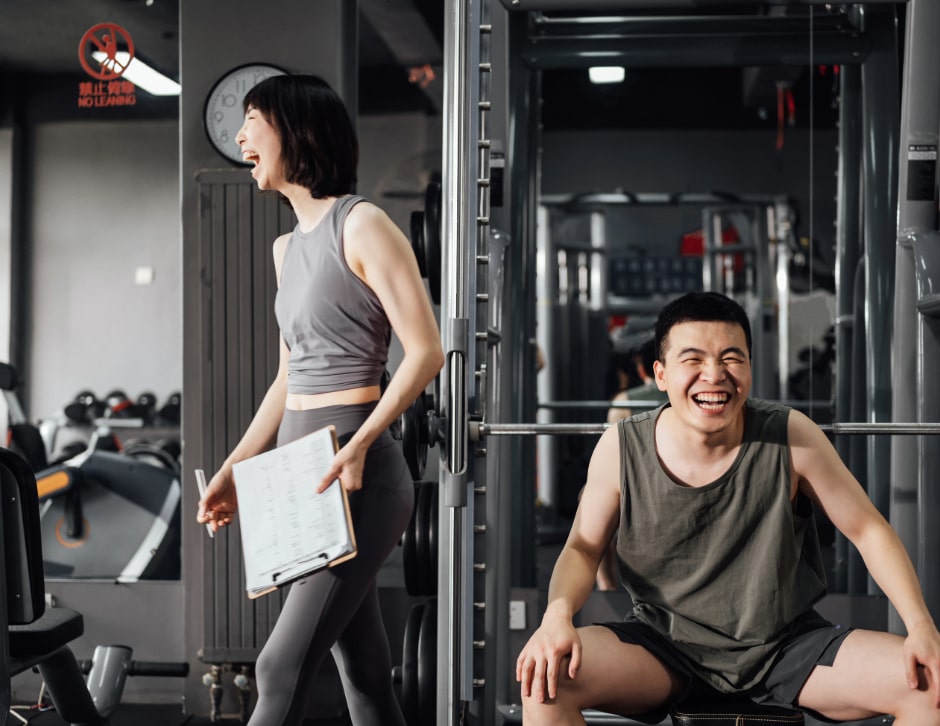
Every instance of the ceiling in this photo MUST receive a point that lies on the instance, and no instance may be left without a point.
(396, 35)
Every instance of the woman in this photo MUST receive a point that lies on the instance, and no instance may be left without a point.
(346, 278)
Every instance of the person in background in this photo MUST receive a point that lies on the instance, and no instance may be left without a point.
(347, 278)
(642, 359)
(711, 497)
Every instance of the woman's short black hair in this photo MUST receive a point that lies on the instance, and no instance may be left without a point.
(706, 307)
(319, 148)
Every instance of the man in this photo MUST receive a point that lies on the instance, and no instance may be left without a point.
(712, 496)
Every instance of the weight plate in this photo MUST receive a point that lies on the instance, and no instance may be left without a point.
(414, 437)
(432, 530)
(409, 664)
(432, 238)
(409, 553)
(417, 240)
(426, 584)
(427, 666)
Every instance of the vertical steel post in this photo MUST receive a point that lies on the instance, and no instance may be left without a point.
(460, 214)
(880, 129)
(917, 213)
(918, 223)
(524, 138)
(848, 252)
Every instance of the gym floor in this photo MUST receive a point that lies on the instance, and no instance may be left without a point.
(130, 714)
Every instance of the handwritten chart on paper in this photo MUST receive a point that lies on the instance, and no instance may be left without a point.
(287, 528)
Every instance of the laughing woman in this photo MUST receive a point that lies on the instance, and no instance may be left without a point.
(347, 278)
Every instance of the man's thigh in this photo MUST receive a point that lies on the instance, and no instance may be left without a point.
(866, 678)
(618, 677)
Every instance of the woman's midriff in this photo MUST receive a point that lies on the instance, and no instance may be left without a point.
(305, 401)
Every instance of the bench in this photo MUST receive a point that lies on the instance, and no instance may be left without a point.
(32, 635)
(733, 712)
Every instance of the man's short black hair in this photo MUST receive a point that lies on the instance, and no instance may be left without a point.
(319, 148)
(703, 307)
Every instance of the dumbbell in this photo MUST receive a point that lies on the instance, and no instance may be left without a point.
(170, 410)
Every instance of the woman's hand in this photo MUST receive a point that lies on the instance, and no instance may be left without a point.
(219, 504)
(347, 466)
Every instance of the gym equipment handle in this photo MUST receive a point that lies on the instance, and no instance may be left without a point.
(163, 669)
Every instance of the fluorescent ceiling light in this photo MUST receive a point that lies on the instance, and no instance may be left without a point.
(606, 74)
(139, 73)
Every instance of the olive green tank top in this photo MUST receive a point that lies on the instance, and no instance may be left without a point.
(723, 570)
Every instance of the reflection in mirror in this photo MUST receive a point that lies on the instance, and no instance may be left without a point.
(108, 478)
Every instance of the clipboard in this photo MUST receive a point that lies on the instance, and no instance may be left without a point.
(288, 531)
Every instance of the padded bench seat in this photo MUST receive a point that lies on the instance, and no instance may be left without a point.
(733, 712)
(55, 628)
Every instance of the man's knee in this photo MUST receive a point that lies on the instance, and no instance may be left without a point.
(550, 710)
(918, 705)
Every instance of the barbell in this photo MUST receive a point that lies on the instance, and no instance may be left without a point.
(479, 429)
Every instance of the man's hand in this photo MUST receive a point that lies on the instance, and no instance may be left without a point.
(922, 650)
(538, 664)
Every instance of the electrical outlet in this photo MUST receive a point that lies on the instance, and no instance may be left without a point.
(517, 614)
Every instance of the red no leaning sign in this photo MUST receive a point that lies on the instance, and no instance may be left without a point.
(109, 41)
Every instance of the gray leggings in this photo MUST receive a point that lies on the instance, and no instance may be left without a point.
(337, 609)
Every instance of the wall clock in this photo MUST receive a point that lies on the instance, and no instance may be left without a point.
(223, 115)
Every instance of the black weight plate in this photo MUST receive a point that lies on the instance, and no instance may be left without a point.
(432, 529)
(409, 664)
(432, 238)
(427, 666)
(425, 583)
(413, 441)
(409, 553)
(417, 240)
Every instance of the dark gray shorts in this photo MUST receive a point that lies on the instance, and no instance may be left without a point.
(815, 641)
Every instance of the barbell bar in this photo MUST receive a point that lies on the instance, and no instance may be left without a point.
(651, 403)
(479, 429)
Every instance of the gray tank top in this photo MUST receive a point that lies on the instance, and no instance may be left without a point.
(334, 325)
(722, 571)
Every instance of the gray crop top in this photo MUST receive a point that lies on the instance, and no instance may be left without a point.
(334, 325)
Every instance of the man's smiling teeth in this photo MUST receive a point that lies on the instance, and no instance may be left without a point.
(708, 400)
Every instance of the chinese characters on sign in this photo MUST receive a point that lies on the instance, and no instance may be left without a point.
(98, 53)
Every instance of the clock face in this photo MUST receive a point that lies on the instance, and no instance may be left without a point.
(223, 115)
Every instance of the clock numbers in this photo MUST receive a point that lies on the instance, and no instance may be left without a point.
(223, 111)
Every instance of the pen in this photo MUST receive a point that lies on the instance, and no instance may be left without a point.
(202, 486)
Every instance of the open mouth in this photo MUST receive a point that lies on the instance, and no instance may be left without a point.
(711, 401)
(251, 157)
